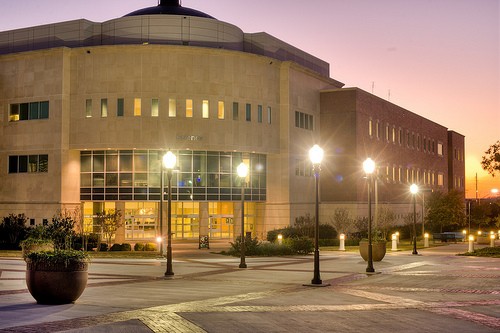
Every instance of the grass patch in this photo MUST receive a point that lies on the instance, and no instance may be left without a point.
(492, 252)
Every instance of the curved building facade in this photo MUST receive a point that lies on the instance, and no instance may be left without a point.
(88, 110)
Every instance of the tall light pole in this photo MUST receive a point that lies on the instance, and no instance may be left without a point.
(316, 156)
(162, 186)
(242, 171)
(414, 191)
(169, 160)
(369, 168)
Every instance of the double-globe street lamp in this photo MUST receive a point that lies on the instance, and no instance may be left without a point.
(369, 168)
(242, 171)
(414, 191)
(316, 156)
(168, 162)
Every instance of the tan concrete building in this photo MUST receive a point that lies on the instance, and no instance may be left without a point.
(88, 109)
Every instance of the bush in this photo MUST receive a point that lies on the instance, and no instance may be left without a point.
(139, 247)
(301, 245)
(103, 247)
(150, 247)
(251, 246)
(121, 247)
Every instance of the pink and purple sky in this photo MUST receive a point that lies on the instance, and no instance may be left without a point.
(437, 58)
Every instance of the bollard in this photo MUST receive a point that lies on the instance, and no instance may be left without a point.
(280, 239)
(397, 236)
(492, 240)
(465, 234)
(394, 243)
(342, 242)
(426, 240)
(471, 243)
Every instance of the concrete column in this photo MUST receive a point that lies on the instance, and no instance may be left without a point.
(204, 219)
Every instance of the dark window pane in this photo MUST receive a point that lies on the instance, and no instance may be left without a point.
(141, 163)
(120, 108)
(23, 164)
(111, 179)
(43, 163)
(98, 163)
(23, 115)
(44, 110)
(111, 162)
(34, 110)
(125, 162)
(85, 163)
(13, 163)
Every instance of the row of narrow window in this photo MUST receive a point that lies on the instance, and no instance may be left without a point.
(28, 163)
(412, 141)
(29, 111)
(190, 109)
(304, 120)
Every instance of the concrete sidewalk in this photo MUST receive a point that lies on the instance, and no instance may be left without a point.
(435, 290)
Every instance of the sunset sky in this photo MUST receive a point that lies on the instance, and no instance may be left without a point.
(437, 58)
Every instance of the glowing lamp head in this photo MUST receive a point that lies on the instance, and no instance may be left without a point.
(316, 154)
(280, 237)
(169, 160)
(471, 238)
(426, 235)
(394, 237)
(414, 188)
(369, 166)
(158, 239)
(342, 236)
(242, 170)
(492, 236)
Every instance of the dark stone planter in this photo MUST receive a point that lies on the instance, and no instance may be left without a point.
(378, 250)
(56, 284)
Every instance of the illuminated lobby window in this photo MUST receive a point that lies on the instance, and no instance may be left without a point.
(205, 109)
(189, 108)
(155, 107)
(172, 108)
(137, 107)
(220, 110)
(104, 107)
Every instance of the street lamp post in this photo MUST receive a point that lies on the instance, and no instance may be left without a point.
(242, 171)
(169, 160)
(414, 191)
(162, 185)
(316, 156)
(369, 168)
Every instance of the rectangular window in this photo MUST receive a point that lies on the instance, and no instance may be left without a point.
(88, 108)
(120, 109)
(259, 113)
(28, 163)
(393, 135)
(14, 112)
(387, 132)
(440, 179)
(440, 149)
(205, 109)
(220, 110)
(155, 106)
(137, 107)
(29, 111)
(248, 112)
(370, 129)
(235, 111)
(189, 108)
(269, 115)
(104, 107)
(172, 108)
(377, 130)
(34, 110)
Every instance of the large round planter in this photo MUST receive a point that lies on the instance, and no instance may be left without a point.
(56, 284)
(378, 250)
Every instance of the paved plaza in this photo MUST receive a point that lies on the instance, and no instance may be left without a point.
(433, 291)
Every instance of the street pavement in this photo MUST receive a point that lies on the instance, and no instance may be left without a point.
(435, 290)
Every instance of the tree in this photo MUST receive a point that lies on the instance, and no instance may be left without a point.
(61, 231)
(491, 159)
(386, 220)
(446, 211)
(341, 221)
(13, 228)
(108, 223)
